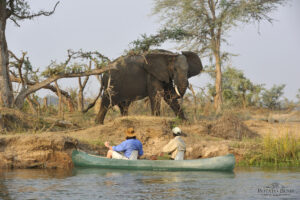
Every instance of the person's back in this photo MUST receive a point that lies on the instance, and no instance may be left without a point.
(128, 147)
(180, 143)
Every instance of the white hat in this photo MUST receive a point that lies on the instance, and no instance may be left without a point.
(176, 131)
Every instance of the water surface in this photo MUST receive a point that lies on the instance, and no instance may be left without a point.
(243, 183)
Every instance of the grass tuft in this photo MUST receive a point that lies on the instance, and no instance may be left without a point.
(281, 151)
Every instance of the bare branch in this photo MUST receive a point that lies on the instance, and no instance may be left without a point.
(16, 23)
(22, 95)
(87, 77)
(19, 65)
(16, 79)
(94, 102)
(44, 13)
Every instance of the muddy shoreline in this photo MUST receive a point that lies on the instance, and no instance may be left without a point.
(53, 149)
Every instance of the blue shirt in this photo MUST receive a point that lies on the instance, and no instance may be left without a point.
(128, 146)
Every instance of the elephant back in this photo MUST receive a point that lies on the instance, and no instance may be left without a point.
(128, 80)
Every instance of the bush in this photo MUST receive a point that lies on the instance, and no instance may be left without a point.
(270, 98)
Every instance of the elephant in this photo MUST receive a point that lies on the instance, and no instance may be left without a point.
(156, 74)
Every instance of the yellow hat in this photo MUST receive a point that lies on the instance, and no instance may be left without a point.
(130, 132)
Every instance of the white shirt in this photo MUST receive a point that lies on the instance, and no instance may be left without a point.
(175, 145)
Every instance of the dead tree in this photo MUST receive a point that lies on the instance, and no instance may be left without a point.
(91, 105)
(53, 73)
(14, 10)
(80, 100)
(60, 103)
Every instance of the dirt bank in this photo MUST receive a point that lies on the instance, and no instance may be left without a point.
(53, 150)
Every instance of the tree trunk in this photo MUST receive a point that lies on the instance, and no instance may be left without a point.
(60, 106)
(195, 102)
(80, 100)
(69, 103)
(31, 105)
(37, 104)
(45, 103)
(244, 100)
(218, 101)
(2, 127)
(6, 92)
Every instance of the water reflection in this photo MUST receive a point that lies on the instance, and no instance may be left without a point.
(36, 173)
(180, 175)
(154, 185)
(4, 193)
(27, 181)
(121, 184)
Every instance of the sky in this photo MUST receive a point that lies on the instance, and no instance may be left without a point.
(267, 54)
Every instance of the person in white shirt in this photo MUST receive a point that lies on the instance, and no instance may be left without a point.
(176, 147)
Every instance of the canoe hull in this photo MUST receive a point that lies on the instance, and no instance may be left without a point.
(220, 163)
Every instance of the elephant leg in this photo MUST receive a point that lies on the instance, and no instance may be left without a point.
(173, 103)
(155, 103)
(155, 92)
(124, 106)
(105, 103)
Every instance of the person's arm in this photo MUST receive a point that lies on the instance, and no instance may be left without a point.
(141, 152)
(107, 145)
(121, 147)
(170, 147)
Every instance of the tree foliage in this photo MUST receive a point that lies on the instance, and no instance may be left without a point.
(238, 90)
(209, 22)
(271, 97)
(69, 66)
(18, 10)
(146, 42)
(298, 95)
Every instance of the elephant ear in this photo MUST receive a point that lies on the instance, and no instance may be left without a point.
(195, 65)
(158, 66)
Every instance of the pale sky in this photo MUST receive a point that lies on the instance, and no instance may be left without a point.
(271, 57)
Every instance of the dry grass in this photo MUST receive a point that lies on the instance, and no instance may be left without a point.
(275, 151)
(205, 130)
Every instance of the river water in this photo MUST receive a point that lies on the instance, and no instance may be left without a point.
(243, 183)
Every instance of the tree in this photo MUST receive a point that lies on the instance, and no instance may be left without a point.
(237, 89)
(270, 98)
(15, 10)
(22, 72)
(208, 21)
(298, 95)
(140, 46)
(80, 99)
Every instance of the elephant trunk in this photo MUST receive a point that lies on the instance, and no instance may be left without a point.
(181, 87)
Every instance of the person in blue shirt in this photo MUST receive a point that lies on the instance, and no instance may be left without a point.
(131, 148)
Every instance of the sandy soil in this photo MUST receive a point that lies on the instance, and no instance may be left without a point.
(204, 139)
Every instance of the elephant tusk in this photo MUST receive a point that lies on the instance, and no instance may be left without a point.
(108, 84)
(176, 90)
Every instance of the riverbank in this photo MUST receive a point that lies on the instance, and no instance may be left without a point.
(245, 139)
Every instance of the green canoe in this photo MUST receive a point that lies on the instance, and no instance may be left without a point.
(220, 163)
